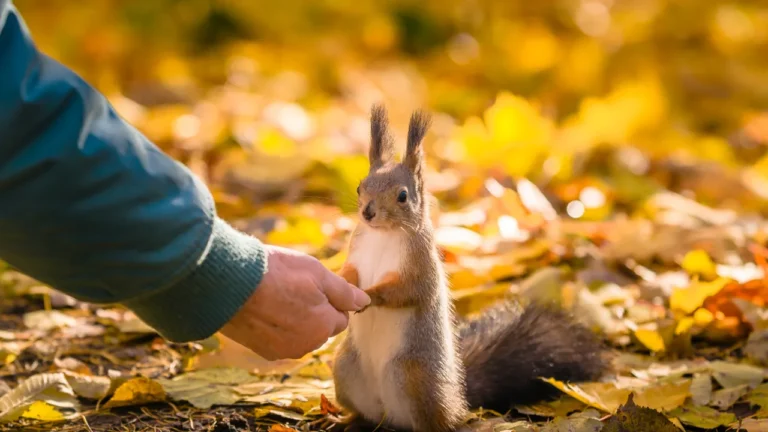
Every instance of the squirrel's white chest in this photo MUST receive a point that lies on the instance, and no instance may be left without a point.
(379, 334)
(376, 254)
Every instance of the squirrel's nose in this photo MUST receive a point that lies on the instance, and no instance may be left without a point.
(368, 212)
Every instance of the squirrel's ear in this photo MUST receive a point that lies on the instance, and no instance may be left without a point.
(417, 130)
(382, 144)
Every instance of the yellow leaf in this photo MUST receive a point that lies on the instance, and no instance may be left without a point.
(335, 262)
(464, 278)
(689, 299)
(457, 239)
(7, 357)
(380, 33)
(271, 142)
(603, 396)
(303, 231)
(684, 325)
(137, 391)
(535, 50)
(471, 300)
(317, 369)
(664, 397)
(698, 262)
(260, 412)
(40, 410)
(512, 135)
(651, 339)
(702, 317)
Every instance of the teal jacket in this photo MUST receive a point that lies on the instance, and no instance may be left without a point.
(92, 208)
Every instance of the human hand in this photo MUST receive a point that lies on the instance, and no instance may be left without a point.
(298, 305)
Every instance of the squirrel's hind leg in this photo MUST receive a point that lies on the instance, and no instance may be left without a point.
(352, 391)
(435, 406)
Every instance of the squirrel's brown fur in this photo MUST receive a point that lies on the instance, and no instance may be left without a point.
(406, 362)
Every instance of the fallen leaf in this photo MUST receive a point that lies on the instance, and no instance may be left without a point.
(586, 421)
(279, 412)
(735, 374)
(71, 364)
(51, 388)
(518, 426)
(757, 346)
(137, 391)
(759, 397)
(316, 369)
(302, 395)
(457, 239)
(691, 298)
(701, 389)
(684, 325)
(635, 417)
(281, 428)
(208, 387)
(326, 407)
(702, 317)
(87, 386)
(698, 263)
(702, 416)
(751, 425)
(603, 396)
(725, 398)
(40, 410)
(557, 408)
(664, 396)
(48, 320)
(652, 339)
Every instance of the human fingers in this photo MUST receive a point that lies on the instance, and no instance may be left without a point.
(341, 294)
(339, 320)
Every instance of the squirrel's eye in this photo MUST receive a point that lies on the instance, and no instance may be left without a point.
(402, 196)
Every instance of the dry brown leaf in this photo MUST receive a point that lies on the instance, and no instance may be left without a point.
(326, 407)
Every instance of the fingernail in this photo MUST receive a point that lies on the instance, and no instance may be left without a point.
(361, 298)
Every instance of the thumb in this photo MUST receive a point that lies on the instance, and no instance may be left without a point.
(343, 295)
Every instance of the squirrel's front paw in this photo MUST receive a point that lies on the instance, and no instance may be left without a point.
(375, 301)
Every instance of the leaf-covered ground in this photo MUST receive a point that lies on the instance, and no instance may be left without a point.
(607, 155)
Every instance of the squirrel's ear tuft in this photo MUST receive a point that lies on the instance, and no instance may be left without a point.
(382, 144)
(417, 130)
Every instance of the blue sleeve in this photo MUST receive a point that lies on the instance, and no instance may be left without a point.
(89, 206)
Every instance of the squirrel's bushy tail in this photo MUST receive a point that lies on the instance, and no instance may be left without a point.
(505, 351)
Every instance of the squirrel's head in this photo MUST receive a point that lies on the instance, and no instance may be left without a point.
(392, 195)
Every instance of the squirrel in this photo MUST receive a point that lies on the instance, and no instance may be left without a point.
(407, 362)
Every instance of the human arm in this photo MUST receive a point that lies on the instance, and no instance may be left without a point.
(89, 206)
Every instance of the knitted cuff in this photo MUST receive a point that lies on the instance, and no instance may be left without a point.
(199, 305)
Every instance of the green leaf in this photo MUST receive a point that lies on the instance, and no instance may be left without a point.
(702, 417)
(725, 398)
(207, 387)
(701, 389)
(759, 397)
(736, 374)
(586, 421)
(518, 426)
(556, 408)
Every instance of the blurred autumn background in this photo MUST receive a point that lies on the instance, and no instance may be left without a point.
(606, 154)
